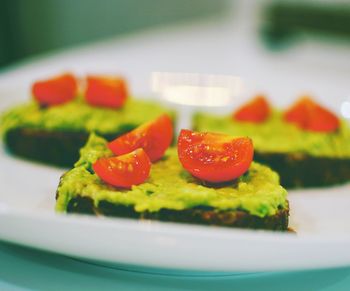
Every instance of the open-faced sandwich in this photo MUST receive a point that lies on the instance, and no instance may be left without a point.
(208, 179)
(57, 122)
(307, 145)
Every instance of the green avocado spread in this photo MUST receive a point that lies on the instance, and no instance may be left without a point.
(169, 186)
(277, 136)
(77, 115)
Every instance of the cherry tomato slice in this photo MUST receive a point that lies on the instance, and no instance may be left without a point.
(309, 115)
(56, 90)
(257, 111)
(124, 171)
(298, 113)
(154, 137)
(106, 91)
(214, 157)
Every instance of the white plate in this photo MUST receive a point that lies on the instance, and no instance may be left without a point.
(320, 216)
(27, 197)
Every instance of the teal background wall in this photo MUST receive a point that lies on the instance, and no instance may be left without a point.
(29, 27)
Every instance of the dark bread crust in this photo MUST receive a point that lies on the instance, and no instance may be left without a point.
(58, 148)
(197, 215)
(299, 170)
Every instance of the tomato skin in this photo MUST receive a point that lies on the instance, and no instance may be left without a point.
(309, 115)
(297, 113)
(124, 171)
(154, 137)
(105, 91)
(256, 111)
(55, 91)
(214, 157)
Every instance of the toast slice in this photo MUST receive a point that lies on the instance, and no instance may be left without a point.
(302, 159)
(54, 135)
(255, 200)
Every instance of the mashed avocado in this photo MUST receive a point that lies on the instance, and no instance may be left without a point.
(277, 136)
(169, 186)
(79, 116)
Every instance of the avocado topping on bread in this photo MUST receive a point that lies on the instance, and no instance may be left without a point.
(254, 198)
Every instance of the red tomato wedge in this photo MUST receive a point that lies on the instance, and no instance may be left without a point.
(257, 111)
(154, 137)
(214, 157)
(56, 90)
(106, 91)
(309, 115)
(124, 171)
